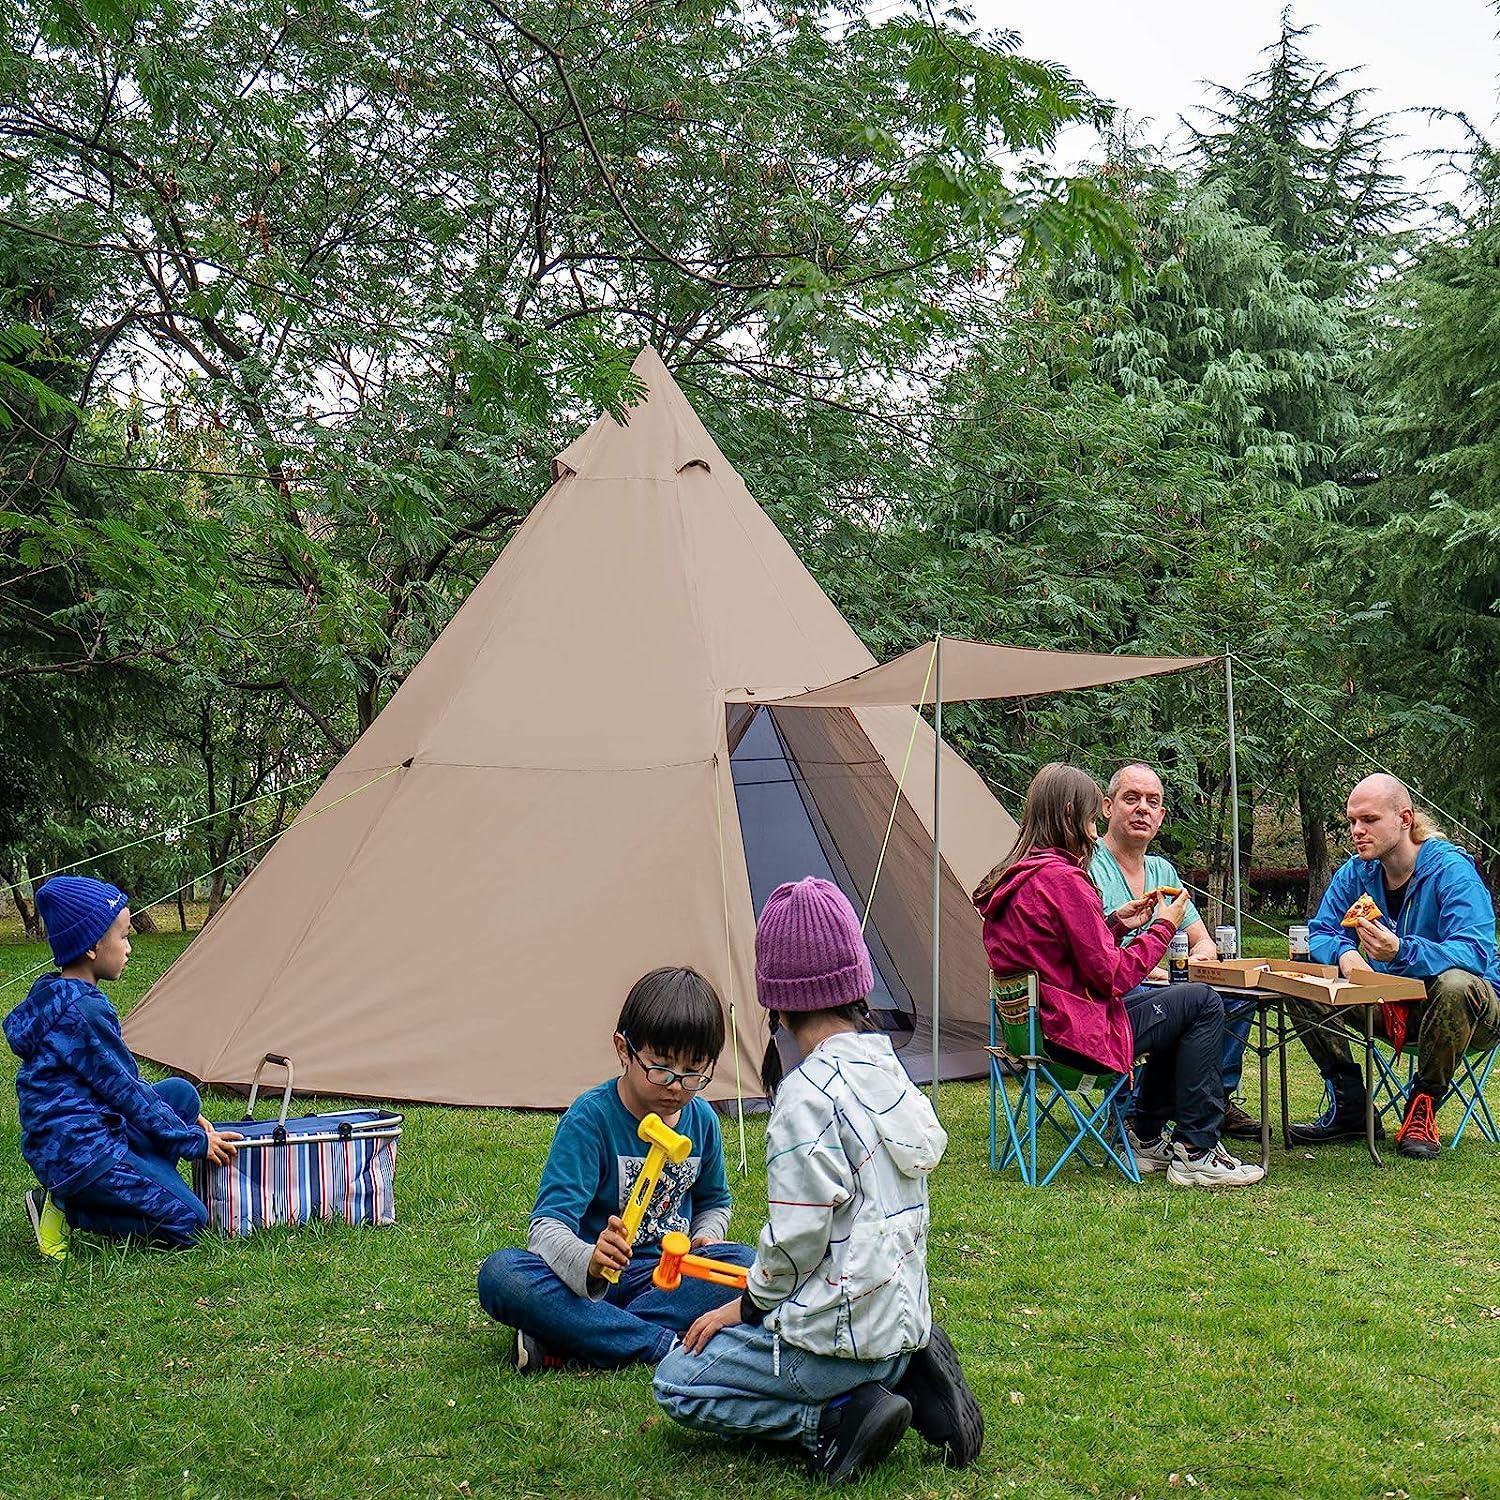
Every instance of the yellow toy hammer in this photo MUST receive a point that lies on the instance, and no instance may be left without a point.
(666, 1145)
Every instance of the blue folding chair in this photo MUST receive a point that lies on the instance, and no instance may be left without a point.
(1079, 1107)
(1470, 1079)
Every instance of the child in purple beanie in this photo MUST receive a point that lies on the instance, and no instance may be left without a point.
(103, 1142)
(832, 1345)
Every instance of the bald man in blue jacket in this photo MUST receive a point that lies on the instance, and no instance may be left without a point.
(1438, 925)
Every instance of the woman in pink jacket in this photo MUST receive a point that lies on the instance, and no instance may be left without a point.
(1041, 912)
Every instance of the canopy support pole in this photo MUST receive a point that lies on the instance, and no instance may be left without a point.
(1234, 801)
(937, 859)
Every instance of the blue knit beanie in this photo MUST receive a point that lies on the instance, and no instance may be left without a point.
(78, 912)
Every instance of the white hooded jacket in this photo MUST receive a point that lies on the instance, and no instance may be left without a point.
(841, 1265)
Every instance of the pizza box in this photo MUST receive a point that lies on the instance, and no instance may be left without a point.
(1329, 989)
(1238, 971)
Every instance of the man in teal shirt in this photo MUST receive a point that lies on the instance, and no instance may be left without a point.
(1123, 871)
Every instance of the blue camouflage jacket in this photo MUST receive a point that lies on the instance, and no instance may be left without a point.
(78, 1088)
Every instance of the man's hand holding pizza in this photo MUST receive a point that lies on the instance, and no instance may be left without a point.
(1365, 919)
(1379, 942)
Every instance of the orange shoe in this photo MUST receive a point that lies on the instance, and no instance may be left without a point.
(1418, 1135)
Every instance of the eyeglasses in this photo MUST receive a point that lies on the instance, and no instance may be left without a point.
(665, 1078)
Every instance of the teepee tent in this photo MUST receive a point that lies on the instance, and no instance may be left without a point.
(579, 783)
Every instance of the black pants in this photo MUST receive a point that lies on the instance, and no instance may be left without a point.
(1180, 1028)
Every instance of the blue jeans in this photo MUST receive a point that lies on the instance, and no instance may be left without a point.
(633, 1321)
(143, 1194)
(732, 1389)
(1239, 1016)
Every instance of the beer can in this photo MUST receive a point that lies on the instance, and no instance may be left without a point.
(1297, 943)
(1227, 941)
(1177, 958)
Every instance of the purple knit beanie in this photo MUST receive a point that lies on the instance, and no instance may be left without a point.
(809, 952)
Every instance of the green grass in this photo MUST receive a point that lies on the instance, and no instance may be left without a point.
(1334, 1333)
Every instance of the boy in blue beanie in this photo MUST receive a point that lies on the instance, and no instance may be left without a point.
(103, 1142)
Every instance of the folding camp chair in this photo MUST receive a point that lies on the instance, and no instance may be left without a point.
(1044, 1092)
(1472, 1076)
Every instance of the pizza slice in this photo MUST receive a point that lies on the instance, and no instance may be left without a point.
(1363, 910)
(1164, 892)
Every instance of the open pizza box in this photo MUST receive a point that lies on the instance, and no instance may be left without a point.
(1321, 982)
(1243, 972)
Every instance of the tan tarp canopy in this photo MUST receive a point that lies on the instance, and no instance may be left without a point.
(545, 810)
(974, 670)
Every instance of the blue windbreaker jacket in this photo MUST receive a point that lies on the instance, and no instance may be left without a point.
(78, 1087)
(1447, 920)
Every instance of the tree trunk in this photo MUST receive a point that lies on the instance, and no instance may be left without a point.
(1314, 845)
(15, 875)
(1218, 866)
(181, 912)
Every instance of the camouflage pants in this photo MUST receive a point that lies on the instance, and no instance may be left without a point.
(1461, 1012)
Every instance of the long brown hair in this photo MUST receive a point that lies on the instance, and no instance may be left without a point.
(1062, 806)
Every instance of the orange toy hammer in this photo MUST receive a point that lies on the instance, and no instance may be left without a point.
(675, 1263)
(666, 1146)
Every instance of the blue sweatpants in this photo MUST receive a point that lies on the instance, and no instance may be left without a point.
(633, 1322)
(143, 1194)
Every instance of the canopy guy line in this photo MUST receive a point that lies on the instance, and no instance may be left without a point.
(1364, 754)
(296, 822)
(734, 1030)
(916, 719)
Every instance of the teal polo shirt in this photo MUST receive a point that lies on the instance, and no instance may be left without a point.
(1109, 880)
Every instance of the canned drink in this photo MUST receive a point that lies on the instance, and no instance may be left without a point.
(1227, 941)
(1177, 958)
(1297, 943)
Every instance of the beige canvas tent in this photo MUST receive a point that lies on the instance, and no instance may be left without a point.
(576, 784)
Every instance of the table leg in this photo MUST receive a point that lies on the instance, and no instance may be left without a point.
(1265, 1089)
(1286, 1113)
(1370, 1111)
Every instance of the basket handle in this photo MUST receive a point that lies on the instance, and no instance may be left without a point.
(286, 1093)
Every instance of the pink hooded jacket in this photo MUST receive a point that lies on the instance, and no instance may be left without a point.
(1045, 915)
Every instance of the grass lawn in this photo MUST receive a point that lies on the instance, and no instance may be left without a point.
(1335, 1332)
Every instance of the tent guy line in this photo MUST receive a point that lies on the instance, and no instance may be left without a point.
(160, 833)
(239, 854)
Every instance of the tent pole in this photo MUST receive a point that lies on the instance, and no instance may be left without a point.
(1234, 800)
(937, 859)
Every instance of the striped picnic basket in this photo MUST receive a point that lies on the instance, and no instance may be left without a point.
(340, 1165)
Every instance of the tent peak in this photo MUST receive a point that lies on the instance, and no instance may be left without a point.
(659, 435)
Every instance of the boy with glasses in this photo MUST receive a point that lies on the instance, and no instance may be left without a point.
(554, 1294)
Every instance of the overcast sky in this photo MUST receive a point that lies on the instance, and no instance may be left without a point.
(1148, 56)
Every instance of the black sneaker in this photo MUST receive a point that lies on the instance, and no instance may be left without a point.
(530, 1355)
(943, 1408)
(858, 1430)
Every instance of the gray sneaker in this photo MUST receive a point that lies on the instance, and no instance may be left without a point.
(1213, 1168)
(1150, 1156)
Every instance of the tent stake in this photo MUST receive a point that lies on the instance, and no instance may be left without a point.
(1234, 801)
(937, 859)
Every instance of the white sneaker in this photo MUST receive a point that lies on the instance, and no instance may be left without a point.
(1215, 1168)
(1150, 1156)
